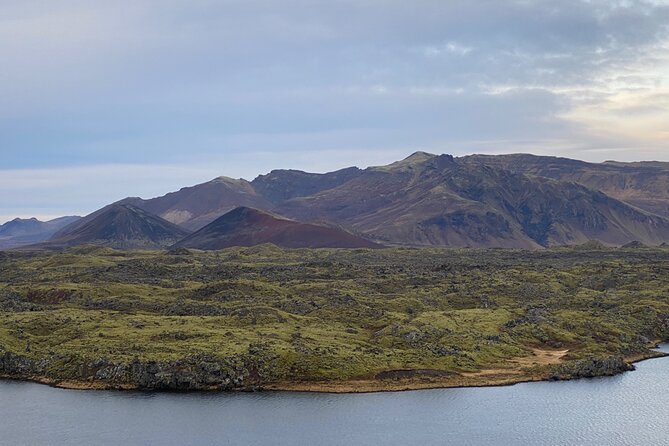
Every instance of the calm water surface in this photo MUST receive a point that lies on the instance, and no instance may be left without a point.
(631, 409)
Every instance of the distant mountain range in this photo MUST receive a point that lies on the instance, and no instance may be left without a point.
(120, 226)
(510, 201)
(20, 232)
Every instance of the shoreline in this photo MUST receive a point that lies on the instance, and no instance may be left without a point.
(483, 378)
(455, 382)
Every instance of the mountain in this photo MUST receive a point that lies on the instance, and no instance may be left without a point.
(244, 226)
(281, 185)
(445, 201)
(21, 232)
(509, 201)
(121, 226)
(642, 184)
(195, 207)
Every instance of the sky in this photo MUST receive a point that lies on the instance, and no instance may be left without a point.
(103, 100)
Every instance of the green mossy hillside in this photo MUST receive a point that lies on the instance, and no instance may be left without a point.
(331, 314)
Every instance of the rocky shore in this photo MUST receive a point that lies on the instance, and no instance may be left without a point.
(195, 373)
(245, 373)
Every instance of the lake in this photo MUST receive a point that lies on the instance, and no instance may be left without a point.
(630, 409)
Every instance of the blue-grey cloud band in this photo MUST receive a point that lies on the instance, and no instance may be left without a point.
(175, 82)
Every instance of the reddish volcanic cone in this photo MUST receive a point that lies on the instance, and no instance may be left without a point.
(249, 227)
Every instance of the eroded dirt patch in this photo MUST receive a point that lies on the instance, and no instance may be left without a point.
(541, 357)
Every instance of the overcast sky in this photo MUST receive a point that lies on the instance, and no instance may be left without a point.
(102, 100)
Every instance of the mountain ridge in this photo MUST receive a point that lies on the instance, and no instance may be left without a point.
(507, 201)
(644, 184)
(442, 201)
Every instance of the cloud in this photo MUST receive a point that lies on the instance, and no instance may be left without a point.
(47, 193)
(446, 49)
(80, 190)
(179, 83)
(84, 75)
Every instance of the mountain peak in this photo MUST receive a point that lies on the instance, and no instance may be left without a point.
(244, 226)
(407, 163)
(419, 156)
(119, 225)
(229, 180)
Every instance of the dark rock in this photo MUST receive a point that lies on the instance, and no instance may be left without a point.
(12, 302)
(15, 365)
(179, 252)
(592, 367)
(199, 372)
(634, 245)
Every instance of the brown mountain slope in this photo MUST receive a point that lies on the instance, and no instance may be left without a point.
(195, 207)
(249, 227)
(121, 226)
(440, 200)
(644, 185)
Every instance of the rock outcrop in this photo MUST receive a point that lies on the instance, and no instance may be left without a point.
(591, 367)
(199, 372)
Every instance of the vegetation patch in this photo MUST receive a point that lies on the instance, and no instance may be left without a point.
(262, 316)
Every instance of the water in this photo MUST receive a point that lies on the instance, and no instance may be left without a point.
(630, 409)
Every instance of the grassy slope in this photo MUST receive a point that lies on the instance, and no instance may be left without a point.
(333, 315)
